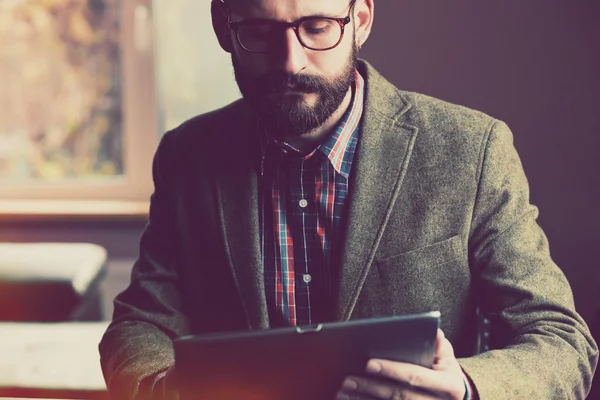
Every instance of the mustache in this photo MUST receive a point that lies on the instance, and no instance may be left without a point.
(280, 81)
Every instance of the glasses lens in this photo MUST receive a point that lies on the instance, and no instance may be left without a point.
(320, 33)
(256, 37)
(314, 33)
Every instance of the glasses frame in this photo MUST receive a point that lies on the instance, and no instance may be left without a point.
(234, 26)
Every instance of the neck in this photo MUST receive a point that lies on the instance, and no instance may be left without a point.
(310, 140)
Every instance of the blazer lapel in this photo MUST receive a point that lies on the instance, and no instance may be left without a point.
(237, 191)
(379, 167)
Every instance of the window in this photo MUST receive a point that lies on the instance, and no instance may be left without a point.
(78, 117)
(87, 87)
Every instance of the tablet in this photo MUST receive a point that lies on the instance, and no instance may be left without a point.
(298, 362)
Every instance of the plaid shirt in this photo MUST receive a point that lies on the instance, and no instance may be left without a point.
(303, 197)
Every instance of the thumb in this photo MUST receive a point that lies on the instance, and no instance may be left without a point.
(443, 348)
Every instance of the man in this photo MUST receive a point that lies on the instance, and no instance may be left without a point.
(328, 194)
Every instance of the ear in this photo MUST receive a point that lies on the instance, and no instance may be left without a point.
(220, 22)
(364, 11)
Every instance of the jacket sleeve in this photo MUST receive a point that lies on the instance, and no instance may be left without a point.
(148, 315)
(541, 348)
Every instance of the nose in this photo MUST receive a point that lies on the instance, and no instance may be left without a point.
(293, 54)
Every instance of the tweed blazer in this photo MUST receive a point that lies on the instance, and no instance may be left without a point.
(438, 218)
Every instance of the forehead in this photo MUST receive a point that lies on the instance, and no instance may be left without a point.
(287, 10)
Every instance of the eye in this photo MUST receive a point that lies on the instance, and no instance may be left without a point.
(258, 30)
(317, 26)
(263, 29)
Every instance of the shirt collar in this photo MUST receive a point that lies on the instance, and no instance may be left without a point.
(341, 145)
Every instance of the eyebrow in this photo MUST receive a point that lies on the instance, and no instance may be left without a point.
(321, 15)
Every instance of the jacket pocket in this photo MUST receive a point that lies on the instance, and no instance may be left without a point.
(435, 254)
(431, 278)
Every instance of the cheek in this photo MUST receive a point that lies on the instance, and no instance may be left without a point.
(330, 62)
(251, 64)
(334, 61)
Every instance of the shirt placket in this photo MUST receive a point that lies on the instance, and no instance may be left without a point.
(308, 251)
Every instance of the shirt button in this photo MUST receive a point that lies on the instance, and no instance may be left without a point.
(303, 203)
(306, 278)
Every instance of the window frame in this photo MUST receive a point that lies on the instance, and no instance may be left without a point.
(128, 195)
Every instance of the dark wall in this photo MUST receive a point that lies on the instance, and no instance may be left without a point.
(534, 64)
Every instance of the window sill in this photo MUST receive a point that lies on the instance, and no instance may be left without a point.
(73, 210)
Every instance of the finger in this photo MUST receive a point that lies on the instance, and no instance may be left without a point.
(411, 374)
(367, 388)
(444, 352)
(438, 343)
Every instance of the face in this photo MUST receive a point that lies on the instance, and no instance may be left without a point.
(292, 88)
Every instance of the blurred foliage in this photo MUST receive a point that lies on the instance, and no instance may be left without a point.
(60, 91)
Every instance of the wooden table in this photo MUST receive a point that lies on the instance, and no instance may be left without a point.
(51, 360)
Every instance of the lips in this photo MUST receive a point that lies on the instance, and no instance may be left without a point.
(298, 89)
(289, 90)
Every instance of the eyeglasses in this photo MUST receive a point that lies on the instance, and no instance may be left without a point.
(315, 33)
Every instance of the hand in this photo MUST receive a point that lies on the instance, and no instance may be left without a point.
(409, 381)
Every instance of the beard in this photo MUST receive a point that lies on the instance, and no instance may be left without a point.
(281, 111)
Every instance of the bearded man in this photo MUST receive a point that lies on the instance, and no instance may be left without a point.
(327, 194)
